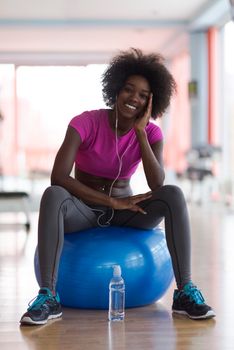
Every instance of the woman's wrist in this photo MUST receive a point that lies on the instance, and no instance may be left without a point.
(112, 202)
(140, 133)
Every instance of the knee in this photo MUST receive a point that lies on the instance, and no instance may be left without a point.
(54, 194)
(171, 193)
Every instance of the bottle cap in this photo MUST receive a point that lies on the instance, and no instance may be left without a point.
(117, 271)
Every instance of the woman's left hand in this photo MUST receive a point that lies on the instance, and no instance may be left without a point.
(141, 122)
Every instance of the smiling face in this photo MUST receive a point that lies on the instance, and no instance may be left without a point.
(133, 97)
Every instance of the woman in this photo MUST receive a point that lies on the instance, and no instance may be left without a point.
(106, 146)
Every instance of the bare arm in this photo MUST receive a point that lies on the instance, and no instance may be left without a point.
(61, 176)
(152, 161)
(152, 158)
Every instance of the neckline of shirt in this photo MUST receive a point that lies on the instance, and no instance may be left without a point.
(107, 120)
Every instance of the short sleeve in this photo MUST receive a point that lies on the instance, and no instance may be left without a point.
(154, 133)
(82, 124)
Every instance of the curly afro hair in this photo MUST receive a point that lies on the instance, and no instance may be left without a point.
(150, 66)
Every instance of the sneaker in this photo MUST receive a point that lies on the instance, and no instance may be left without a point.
(46, 306)
(189, 301)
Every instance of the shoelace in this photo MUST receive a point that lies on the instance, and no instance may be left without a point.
(195, 295)
(38, 301)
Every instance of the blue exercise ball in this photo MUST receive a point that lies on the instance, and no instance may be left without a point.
(87, 260)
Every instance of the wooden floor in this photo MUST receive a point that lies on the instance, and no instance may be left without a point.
(151, 327)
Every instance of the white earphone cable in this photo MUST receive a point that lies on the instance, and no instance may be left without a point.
(120, 159)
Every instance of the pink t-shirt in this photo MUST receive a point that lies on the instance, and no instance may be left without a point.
(97, 152)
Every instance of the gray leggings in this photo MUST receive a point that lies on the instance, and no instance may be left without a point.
(60, 213)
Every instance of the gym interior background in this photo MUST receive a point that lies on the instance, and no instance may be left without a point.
(52, 56)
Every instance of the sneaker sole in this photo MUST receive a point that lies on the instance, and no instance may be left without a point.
(28, 320)
(209, 314)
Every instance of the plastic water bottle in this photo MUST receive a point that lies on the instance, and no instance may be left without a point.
(116, 296)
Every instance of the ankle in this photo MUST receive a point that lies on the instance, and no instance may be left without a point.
(184, 285)
(49, 290)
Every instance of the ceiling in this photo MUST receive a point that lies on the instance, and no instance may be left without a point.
(83, 31)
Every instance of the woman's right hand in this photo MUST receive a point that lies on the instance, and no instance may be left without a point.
(130, 202)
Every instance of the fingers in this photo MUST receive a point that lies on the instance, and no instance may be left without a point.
(141, 197)
(149, 107)
(136, 208)
(130, 203)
